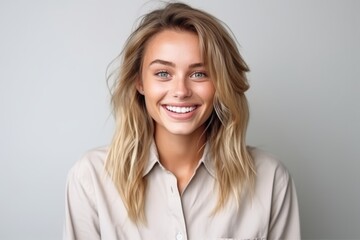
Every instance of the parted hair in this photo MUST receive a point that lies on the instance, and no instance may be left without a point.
(226, 127)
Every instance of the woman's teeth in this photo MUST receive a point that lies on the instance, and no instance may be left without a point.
(180, 109)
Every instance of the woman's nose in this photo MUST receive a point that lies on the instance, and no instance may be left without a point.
(181, 88)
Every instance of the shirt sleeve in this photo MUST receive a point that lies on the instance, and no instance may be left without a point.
(81, 217)
(284, 222)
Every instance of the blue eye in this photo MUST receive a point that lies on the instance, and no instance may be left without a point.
(162, 74)
(198, 75)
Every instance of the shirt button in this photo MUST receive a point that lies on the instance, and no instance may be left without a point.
(179, 236)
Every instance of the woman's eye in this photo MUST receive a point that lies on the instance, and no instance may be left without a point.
(163, 74)
(198, 75)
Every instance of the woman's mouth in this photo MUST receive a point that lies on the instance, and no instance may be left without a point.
(180, 110)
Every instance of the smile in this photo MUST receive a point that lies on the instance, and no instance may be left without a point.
(180, 110)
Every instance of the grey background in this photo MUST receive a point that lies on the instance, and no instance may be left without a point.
(305, 106)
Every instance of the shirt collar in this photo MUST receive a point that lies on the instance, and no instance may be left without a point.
(206, 160)
(153, 158)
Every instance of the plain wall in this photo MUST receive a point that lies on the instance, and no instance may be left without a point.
(304, 57)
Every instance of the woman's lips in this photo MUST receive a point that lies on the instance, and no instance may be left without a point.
(180, 110)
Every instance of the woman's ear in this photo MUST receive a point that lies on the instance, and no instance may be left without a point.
(139, 86)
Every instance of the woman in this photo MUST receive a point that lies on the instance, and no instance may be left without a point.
(178, 166)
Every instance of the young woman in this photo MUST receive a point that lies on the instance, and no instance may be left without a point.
(178, 166)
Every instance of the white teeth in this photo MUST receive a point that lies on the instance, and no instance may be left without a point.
(180, 109)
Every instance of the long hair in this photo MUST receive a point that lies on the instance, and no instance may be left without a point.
(226, 130)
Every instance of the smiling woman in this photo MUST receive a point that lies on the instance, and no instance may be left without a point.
(178, 166)
(179, 98)
(177, 91)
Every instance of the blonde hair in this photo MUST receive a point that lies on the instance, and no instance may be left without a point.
(226, 129)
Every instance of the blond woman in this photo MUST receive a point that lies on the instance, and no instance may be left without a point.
(178, 166)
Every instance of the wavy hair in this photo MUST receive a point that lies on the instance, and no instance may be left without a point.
(226, 130)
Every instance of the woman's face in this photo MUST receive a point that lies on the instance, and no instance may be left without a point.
(175, 83)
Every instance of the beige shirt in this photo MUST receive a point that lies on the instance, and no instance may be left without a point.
(94, 209)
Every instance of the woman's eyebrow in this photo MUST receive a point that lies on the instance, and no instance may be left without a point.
(196, 65)
(171, 64)
(163, 62)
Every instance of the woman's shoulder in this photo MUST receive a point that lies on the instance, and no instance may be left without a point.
(92, 162)
(267, 165)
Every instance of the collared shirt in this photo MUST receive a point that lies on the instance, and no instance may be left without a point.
(94, 209)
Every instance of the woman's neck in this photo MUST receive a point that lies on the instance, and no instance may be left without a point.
(180, 154)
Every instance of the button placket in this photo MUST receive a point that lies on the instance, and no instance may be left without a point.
(175, 205)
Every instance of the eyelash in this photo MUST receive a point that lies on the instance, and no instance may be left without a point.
(204, 75)
(159, 73)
